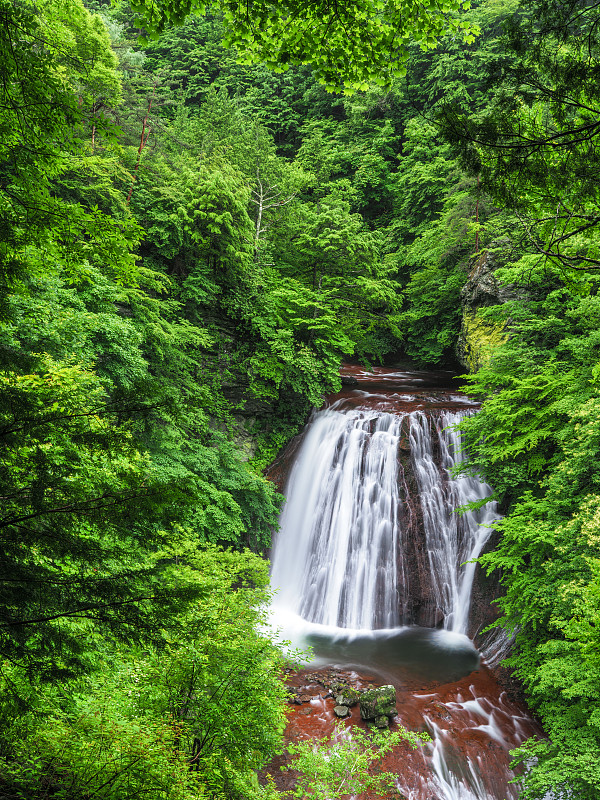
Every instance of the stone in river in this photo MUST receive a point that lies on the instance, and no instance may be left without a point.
(378, 702)
(341, 711)
(348, 696)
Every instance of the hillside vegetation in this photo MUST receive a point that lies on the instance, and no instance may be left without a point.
(192, 239)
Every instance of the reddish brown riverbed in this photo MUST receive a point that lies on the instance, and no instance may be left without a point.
(473, 719)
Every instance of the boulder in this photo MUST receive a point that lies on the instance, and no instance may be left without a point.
(302, 698)
(348, 696)
(380, 702)
(341, 711)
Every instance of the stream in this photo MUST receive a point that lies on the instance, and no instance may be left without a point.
(370, 569)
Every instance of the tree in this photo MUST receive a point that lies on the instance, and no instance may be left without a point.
(57, 65)
(190, 719)
(338, 766)
(71, 480)
(536, 145)
(536, 440)
(347, 44)
(68, 459)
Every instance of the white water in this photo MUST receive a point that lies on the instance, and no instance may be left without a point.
(453, 540)
(342, 584)
(337, 559)
(468, 718)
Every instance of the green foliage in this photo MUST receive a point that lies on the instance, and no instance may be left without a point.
(533, 381)
(194, 58)
(174, 286)
(56, 61)
(220, 682)
(429, 239)
(548, 555)
(106, 749)
(338, 765)
(352, 159)
(535, 143)
(105, 436)
(194, 718)
(429, 324)
(345, 45)
(217, 222)
(536, 440)
(65, 467)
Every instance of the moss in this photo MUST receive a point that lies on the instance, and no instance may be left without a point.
(481, 339)
(348, 696)
(378, 702)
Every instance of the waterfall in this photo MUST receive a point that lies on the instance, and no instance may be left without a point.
(340, 558)
(371, 570)
(336, 560)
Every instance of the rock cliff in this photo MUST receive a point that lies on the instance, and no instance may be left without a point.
(479, 337)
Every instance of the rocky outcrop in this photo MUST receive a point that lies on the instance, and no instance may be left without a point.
(378, 705)
(478, 337)
(483, 287)
(348, 697)
(341, 711)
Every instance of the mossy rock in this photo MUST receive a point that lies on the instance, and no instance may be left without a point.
(479, 340)
(380, 702)
(348, 696)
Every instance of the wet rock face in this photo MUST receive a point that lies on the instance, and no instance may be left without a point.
(418, 599)
(483, 288)
(478, 337)
(486, 589)
(278, 472)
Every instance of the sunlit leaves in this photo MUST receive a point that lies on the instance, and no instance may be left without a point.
(346, 44)
(58, 66)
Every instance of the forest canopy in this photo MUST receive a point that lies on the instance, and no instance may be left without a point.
(347, 44)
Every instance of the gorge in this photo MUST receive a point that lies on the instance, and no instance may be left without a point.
(373, 569)
(193, 239)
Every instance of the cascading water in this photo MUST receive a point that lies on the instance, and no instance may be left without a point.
(369, 567)
(339, 556)
(336, 557)
(453, 541)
